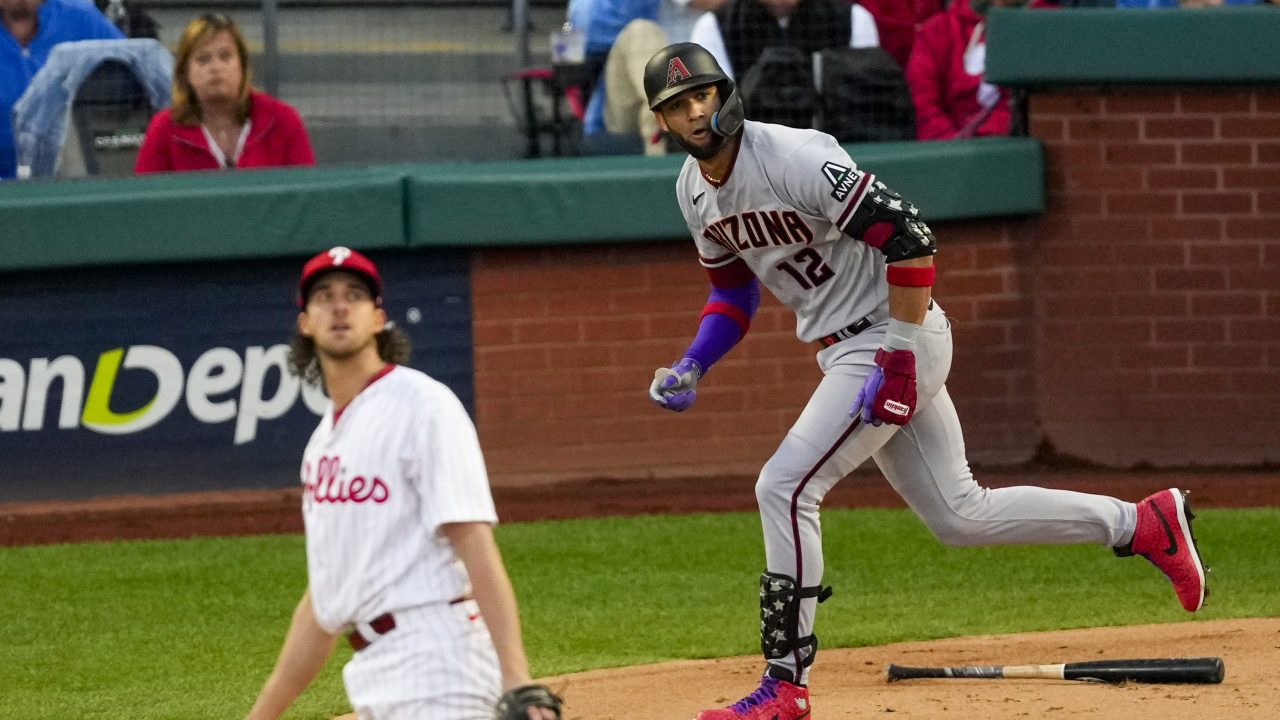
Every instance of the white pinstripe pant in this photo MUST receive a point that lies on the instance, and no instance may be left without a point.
(437, 664)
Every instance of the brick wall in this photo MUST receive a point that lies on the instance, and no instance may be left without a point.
(1137, 321)
(1157, 275)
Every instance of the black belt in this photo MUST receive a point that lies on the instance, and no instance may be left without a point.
(854, 329)
(845, 333)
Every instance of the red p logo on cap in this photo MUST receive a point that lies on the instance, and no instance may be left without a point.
(340, 258)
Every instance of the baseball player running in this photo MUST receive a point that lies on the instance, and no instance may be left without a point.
(789, 209)
(400, 549)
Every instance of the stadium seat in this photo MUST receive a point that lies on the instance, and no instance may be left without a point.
(86, 111)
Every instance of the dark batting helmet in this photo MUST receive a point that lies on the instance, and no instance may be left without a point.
(676, 68)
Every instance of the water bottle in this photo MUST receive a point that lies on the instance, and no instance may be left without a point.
(568, 45)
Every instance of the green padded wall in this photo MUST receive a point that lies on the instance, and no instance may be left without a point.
(196, 216)
(201, 216)
(586, 200)
(1095, 46)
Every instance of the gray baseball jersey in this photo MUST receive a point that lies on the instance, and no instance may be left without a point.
(791, 193)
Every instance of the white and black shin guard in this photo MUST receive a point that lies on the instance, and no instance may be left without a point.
(780, 624)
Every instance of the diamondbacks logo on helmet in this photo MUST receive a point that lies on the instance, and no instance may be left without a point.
(676, 71)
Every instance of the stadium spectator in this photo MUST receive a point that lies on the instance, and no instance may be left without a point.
(31, 29)
(605, 19)
(946, 71)
(708, 33)
(578, 13)
(133, 21)
(898, 21)
(768, 47)
(749, 26)
(217, 119)
(811, 63)
(621, 37)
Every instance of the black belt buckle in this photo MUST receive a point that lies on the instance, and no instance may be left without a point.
(845, 333)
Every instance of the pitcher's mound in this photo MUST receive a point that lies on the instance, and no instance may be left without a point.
(850, 683)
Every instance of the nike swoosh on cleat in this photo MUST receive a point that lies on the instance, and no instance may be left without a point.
(1168, 531)
(696, 198)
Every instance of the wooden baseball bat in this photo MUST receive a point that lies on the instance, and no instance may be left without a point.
(1207, 670)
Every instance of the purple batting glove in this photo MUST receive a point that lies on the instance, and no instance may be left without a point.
(866, 400)
(674, 388)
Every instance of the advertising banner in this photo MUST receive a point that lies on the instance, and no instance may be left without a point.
(172, 378)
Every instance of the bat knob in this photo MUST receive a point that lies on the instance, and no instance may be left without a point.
(1219, 671)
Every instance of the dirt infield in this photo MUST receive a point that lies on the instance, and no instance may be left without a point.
(850, 683)
(847, 683)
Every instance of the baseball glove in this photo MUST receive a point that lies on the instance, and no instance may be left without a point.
(515, 703)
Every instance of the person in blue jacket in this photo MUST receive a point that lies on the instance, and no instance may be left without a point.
(30, 29)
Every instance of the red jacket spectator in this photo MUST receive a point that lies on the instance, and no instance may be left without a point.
(276, 137)
(951, 99)
(897, 22)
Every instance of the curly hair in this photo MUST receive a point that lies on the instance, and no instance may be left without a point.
(393, 347)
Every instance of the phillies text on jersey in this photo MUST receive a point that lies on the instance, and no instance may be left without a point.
(400, 460)
(327, 485)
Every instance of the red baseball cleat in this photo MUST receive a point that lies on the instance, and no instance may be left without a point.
(1164, 537)
(773, 700)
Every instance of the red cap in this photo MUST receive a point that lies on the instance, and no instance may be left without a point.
(340, 258)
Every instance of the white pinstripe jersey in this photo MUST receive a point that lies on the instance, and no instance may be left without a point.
(780, 211)
(401, 460)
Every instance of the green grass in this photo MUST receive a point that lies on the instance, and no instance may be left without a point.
(189, 629)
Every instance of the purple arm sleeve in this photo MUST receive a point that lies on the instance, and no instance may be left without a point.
(725, 320)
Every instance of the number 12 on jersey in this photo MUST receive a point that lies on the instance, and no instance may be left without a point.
(807, 268)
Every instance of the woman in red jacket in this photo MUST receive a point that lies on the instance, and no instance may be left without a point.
(218, 121)
(898, 21)
(945, 74)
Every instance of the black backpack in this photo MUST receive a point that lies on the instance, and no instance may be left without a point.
(864, 96)
(108, 121)
(779, 88)
(133, 22)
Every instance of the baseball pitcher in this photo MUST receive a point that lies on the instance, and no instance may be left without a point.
(789, 209)
(399, 528)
